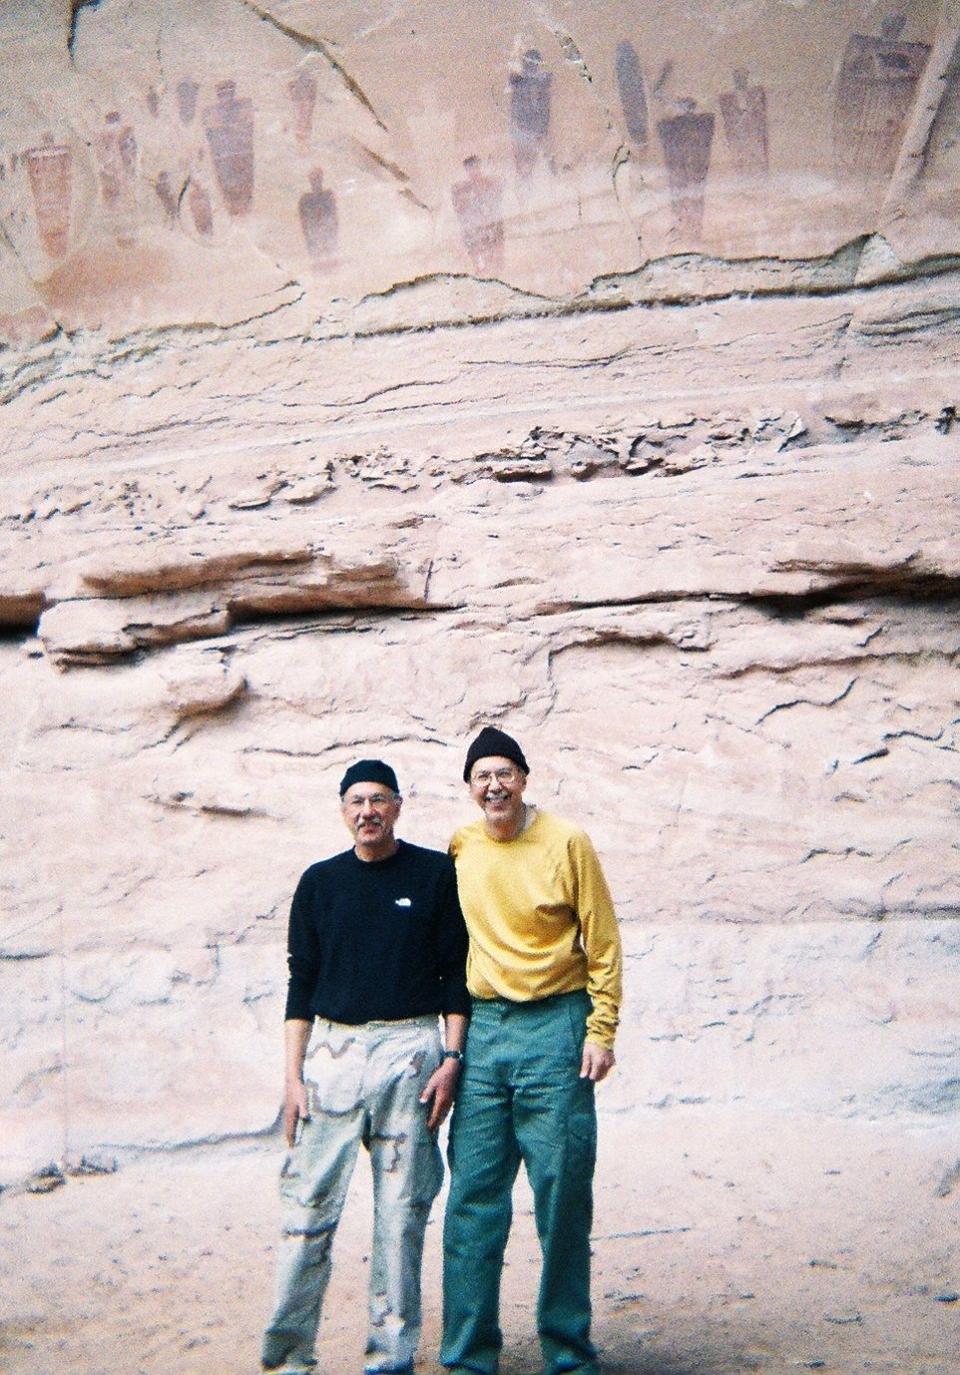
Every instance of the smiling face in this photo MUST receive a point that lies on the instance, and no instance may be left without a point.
(496, 786)
(370, 812)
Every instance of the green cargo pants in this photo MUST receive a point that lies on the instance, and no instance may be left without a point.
(521, 1098)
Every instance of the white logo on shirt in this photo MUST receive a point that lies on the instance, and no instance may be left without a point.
(402, 902)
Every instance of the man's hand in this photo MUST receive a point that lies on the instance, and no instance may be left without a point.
(440, 1092)
(295, 1109)
(597, 1062)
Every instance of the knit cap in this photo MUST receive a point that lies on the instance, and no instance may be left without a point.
(369, 771)
(491, 742)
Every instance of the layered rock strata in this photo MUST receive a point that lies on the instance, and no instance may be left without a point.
(373, 375)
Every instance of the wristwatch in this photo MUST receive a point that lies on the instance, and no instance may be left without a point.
(454, 1055)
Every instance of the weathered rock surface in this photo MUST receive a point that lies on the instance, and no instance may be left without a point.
(372, 373)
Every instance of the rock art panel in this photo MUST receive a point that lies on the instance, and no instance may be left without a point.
(543, 128)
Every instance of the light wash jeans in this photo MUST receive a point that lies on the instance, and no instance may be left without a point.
(364, 1084)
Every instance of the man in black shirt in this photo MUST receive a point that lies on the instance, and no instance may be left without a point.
(376, 952)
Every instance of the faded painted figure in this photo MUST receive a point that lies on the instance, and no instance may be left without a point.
(744, 111)
(319, 221)
(49, 170)
(545, 975)
(187, 92)
(686, 139)
(633, 94)
(529, 111)
(376, 952)
(303, 96)
(875, 94)
(116, 149)
(477, 201)
(229, 129)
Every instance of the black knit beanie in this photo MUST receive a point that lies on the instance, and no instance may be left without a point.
(490, 742)
(369, 771)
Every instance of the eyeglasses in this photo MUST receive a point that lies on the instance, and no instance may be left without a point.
(486, 776)
(357, 804)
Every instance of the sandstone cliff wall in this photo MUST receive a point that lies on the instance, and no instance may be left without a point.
(374, 375)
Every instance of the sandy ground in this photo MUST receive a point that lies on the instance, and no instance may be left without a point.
(716, 1253)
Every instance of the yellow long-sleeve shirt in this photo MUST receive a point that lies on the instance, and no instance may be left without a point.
(540, 918)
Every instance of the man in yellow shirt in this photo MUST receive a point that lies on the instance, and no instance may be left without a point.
(544, 969)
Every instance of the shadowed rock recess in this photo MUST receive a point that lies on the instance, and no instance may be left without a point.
(376, 370)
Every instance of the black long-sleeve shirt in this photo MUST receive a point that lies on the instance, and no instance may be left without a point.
(377, 940)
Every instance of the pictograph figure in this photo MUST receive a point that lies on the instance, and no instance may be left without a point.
(153, 101)
(49, 169)
(187, 91)
(229, 130)
(319, 221)
(303, 94)
(875, 94)
(529, 111)
(477, 200)
(633, 95)
(116, 153)
(744, 113)
(167, 199)
(201, 211)
(687, 138)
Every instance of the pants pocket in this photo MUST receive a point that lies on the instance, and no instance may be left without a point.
(333, 1073)
(578, 1009)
